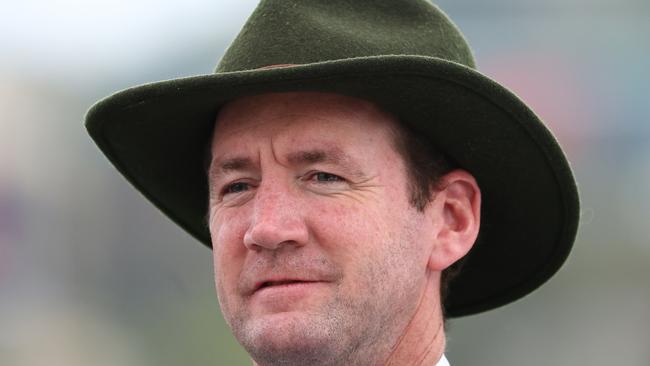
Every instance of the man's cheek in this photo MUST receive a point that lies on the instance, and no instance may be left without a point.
(227, 294)
(227, 241)
(224, 274)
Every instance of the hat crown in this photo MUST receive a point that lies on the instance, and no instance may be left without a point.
(281, 32)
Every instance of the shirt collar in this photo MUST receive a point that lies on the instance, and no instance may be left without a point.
(443, 361)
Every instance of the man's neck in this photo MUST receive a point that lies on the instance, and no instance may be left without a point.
(423, 340)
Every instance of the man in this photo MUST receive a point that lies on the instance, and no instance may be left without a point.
(354, 157)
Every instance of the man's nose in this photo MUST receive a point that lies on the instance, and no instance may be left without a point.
(277, 220)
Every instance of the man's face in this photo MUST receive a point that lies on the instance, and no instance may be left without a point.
(318, 253)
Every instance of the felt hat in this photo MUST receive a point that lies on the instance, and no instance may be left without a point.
(410, 59)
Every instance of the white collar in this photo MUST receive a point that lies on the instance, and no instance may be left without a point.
(443, 361)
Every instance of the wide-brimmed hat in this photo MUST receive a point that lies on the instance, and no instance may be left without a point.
(410, 59)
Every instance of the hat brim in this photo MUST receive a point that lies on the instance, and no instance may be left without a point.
(156, 135)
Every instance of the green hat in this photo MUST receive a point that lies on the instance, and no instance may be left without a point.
(410, 59)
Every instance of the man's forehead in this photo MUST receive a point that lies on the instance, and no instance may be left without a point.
(300, 128)
(313, 127)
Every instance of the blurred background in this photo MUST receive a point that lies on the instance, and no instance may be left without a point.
(92, 274)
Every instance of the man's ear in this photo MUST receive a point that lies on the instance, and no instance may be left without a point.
(456, 211)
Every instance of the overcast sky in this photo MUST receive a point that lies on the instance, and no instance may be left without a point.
(68, 35)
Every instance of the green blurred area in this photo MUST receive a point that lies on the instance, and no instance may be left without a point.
(91, 273)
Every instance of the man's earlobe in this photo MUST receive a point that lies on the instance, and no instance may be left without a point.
(457, 212)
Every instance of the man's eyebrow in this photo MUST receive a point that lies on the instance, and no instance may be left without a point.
(333, 156)
(315, 156)
(219, 167)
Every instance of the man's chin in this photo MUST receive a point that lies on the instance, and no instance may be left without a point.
(290, 338)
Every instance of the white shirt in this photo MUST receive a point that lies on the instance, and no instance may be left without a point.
(443, 361)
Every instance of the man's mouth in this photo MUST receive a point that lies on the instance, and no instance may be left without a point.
(266, 284)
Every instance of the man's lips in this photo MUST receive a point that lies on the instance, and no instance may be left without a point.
(287, 295)
(259, 285)
(254, 281)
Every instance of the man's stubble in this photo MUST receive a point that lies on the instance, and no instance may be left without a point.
(346, 330)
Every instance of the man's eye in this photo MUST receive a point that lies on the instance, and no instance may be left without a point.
(327, 177)
(236, 188)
